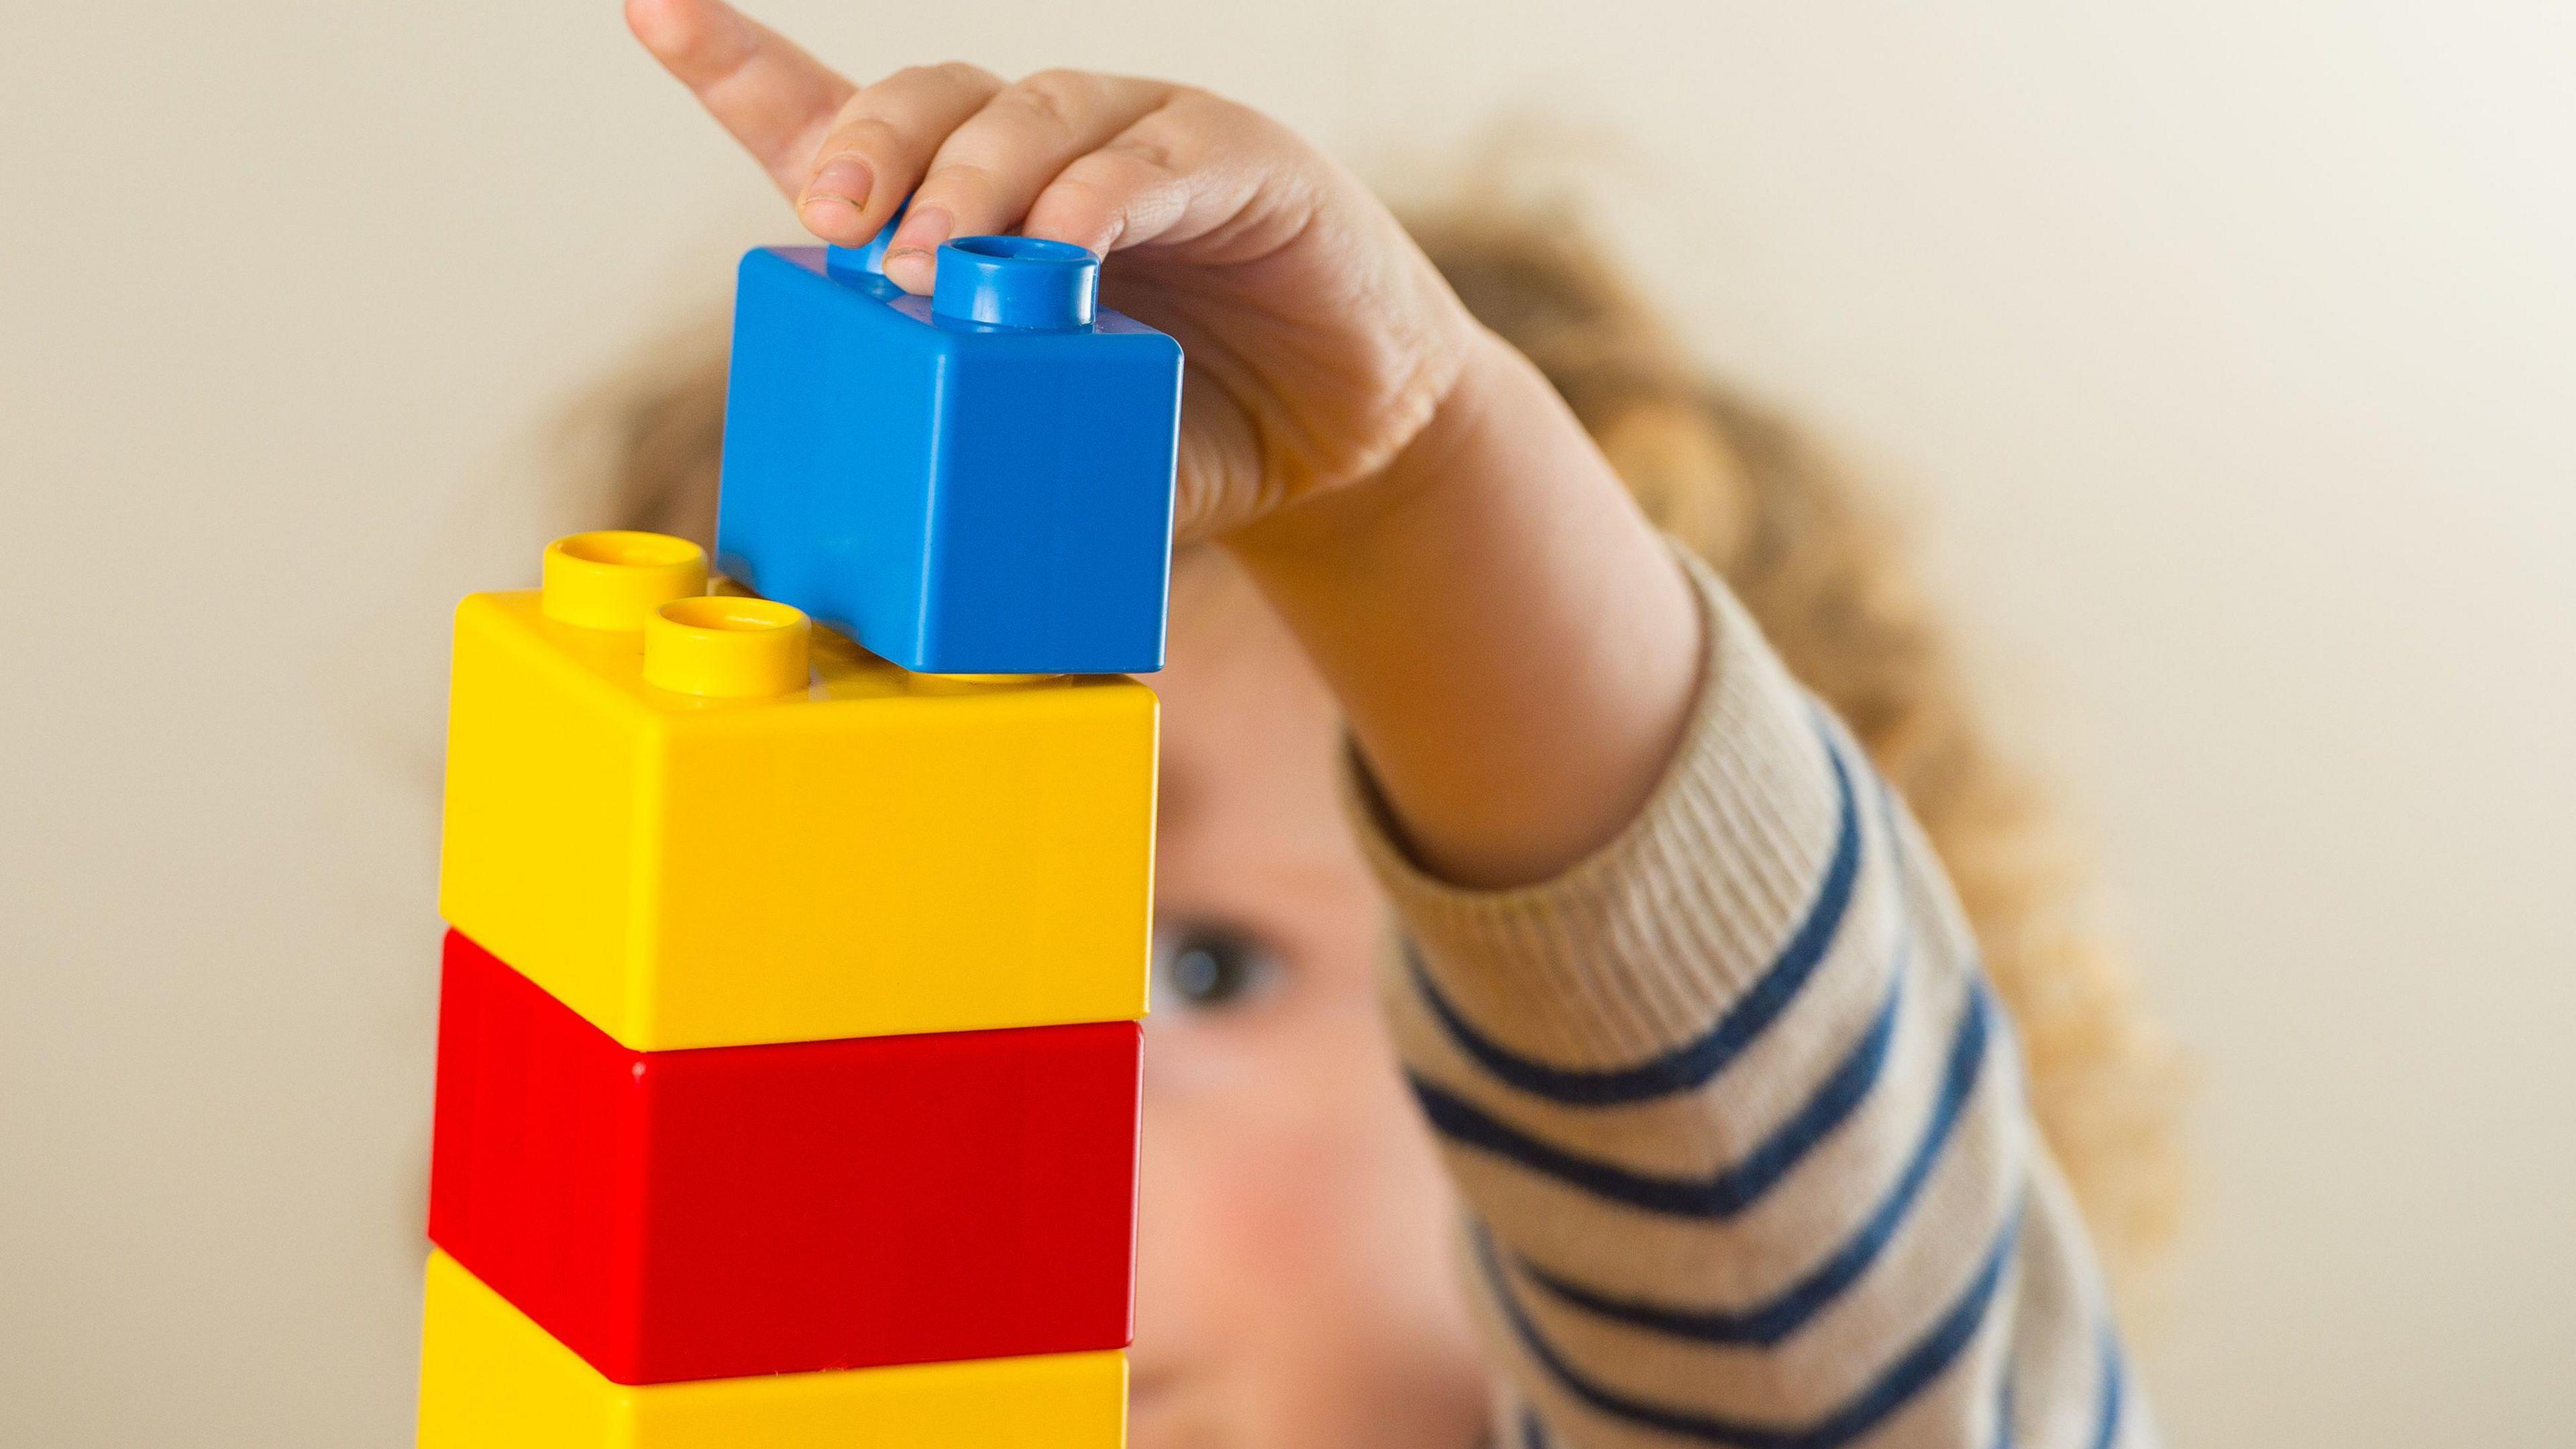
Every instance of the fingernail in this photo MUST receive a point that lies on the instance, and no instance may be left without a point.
(831, 205)
(847, 178)
(923, 229)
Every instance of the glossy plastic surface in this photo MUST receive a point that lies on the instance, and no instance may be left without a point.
(875, 853)
(1016, 281)
(728, 648)
(959, 496)
(492, 1379)
(616, 578)
(774, 1209)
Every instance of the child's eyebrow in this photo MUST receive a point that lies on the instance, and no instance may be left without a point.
(1176, 791)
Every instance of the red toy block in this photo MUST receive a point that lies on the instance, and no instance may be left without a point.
(726, 1211)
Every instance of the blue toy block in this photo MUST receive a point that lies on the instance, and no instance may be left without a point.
(974, 482)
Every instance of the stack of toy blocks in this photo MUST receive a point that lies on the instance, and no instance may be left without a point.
(788, 1044)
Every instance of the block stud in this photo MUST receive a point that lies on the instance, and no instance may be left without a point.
(1016, 281)
(616, 578)
(869, 260)
(727, 648)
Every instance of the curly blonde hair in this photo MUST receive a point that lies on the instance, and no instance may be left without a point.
(1821, 569)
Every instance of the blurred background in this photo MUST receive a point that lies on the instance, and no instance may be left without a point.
(2225, 352)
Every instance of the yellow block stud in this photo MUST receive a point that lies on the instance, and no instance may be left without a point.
(490, 1378)
(729, 648)
(694, 837)
(616, 578)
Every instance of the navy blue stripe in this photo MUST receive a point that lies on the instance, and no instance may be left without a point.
(2004, 1414)
(1918, 1366)
(1693, 1063)
(1772, 1321)
(2106, 1429)
(1724, 1193)
(1533, 1433)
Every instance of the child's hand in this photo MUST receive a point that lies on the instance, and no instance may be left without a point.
(1319, 340)
(1509, 640)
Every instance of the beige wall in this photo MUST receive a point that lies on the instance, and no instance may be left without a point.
(2225, 348)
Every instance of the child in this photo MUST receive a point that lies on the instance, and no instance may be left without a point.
(1732, 1140)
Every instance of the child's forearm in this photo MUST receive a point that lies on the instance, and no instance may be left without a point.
(1512, 643)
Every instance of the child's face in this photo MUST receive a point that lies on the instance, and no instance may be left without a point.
(1294, 1273)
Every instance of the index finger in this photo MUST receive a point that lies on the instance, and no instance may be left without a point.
(775, 99)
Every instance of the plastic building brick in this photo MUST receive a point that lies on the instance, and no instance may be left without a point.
(698, 821)
(766, 1209)
(492, 1379)
(977, 481)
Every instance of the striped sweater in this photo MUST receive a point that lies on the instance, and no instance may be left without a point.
(1740, 1127)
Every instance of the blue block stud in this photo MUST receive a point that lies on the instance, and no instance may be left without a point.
(974, 482)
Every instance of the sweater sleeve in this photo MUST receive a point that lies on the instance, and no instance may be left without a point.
(1738, 1124)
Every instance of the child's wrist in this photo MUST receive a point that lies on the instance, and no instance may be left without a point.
(1447, 460)
(1513, 646)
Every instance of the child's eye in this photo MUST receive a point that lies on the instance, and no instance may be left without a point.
(1204, 966)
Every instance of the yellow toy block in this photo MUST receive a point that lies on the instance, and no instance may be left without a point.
(492, 1379)
(699, 822)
